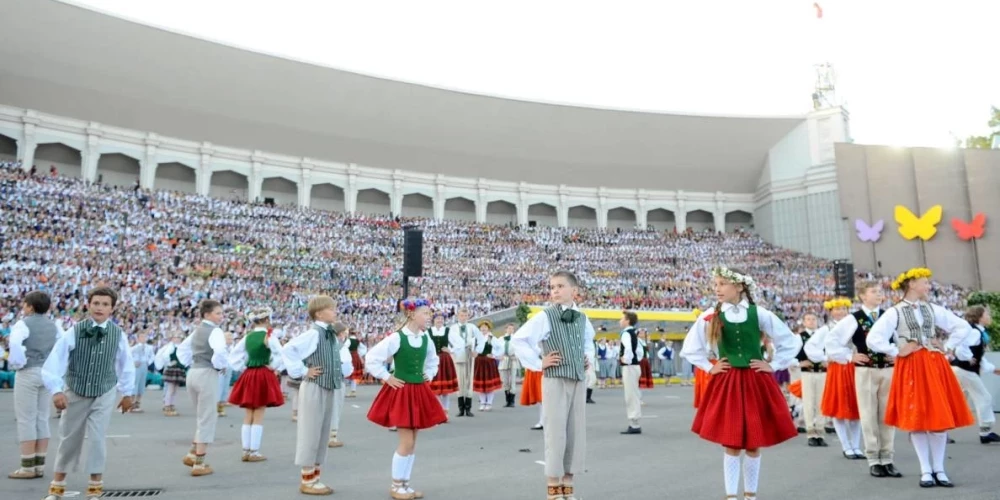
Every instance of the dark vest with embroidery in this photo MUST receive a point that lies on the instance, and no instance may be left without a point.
(978, 351)
(634, 338)
(865, 323)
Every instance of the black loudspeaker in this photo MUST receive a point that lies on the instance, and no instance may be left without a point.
(843, 275)
(269, 202)
(413, 253)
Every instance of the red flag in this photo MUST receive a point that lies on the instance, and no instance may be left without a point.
(819, 11)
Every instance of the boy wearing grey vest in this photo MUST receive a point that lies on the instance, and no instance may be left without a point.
(316, 356)
(31, 341)
(206, 352)
(94, 363)
(559, 342)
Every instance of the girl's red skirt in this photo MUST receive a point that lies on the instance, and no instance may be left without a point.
(925, 395)
(645, 374)
(359, 367)
(486, 377)
(531, 388)
(701, 378)
(446, 380)
(412, 406)
(257, 388)
(743, 409)
(840, 398)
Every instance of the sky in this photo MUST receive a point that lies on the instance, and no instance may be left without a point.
(909, 73)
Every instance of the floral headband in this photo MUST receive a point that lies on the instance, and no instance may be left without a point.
(259, 313)
(838, 302)
(413, 304)
(735, 277)
(912, 274)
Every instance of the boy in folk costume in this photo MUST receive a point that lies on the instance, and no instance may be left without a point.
(30, 342)
(630, 356)
(873, 373)
(925, 397)
(464, 351)
(970, 372)
(840, 399)
(94, 363)
(742, 407)
(405, 401)
(560, 342)
(445, 380)
(487, 376)
(813, 376)
(342, 332)
(174, 373)
(206, 351)
(357, 350)
(508, 366)
(257, 389)
(142, 356)
(316, 357)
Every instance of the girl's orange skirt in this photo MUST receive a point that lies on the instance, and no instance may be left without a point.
(531, 389)
(701, 378)
(795, 388)
(840, 399)
(925, 395)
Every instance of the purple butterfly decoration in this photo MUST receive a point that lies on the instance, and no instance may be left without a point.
(869, 233)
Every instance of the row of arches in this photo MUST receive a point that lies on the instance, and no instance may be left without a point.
(121, 170)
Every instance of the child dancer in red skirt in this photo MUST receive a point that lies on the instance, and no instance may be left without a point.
(742, 407)
(925, 397)
(486, 374)
(405, 400)
(645, 369)
(446, 380)
(840, 396)
(258, 388)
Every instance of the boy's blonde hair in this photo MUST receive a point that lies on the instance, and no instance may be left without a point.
(865, 285)
(318, 303)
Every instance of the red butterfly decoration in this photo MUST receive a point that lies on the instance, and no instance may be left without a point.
(969, 230)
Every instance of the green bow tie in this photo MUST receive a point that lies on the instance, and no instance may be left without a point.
(329, 332)
(94, 330)
(569, 316)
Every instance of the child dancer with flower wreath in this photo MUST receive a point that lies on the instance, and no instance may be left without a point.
(257, 389)
(925, 397)
(840, 399)
(405, 400)
(742, 407)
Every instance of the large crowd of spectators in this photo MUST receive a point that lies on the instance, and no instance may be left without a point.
(165, 251)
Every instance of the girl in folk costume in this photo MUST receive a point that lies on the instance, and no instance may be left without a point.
(840, 398)
(646, 370)
(508, 366)
(445, 382)
(560, 342)
(174, 372)
(258, 388)
(969, 373)
(405, 400)
(316, 358)
(357, 350)
(742, 408)
(925, 397)
(487, 376)
(142, 356)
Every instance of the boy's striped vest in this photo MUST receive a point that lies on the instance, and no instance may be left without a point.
(567, 340)
(91, 371)
(327, 356)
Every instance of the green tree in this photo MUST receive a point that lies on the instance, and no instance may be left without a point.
(991, 300)
(522, 313)
(986, 141)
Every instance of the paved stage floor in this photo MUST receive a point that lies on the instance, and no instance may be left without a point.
(481, 458)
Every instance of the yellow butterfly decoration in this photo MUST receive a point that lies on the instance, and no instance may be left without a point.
(923, 227)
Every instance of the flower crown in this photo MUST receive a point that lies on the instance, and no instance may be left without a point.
(259, 313)
(838, 302)
(912, 274)
(413, 304)
(735, 277)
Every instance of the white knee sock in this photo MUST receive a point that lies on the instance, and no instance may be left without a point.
(245, 436)
(443, 399)
(938, 442)
(399, 466)
(409, 466)
(854, 431)
(489, 399)
(541, 414)
(922, 445)
(751, 473)
(482, 399)
(354, 385)
(841, 427)
(731, 472)
(256, 433)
